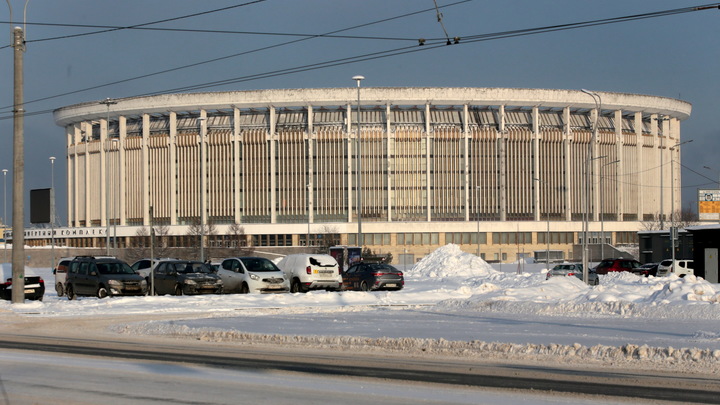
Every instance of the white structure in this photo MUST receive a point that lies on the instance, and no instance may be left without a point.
(435, 162)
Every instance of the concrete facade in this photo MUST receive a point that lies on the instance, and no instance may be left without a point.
(486, 168)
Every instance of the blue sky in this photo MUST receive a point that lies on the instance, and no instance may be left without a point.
(673, 56)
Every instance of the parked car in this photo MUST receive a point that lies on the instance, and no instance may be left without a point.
(311, 271)
(34, 284)
(572, 269)
(188, 277)
(102, 277)
(611, 265)
(681, 268)
(252, 274)
(647, 269)
(144, 266)
(60, 272)
(373, 276)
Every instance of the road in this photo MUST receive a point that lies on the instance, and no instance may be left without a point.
(74, 347)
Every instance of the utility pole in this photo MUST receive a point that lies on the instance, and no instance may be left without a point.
(18, 209)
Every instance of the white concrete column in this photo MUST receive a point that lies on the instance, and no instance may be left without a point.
(502, 165)
(172, 145)
(643, 203)
(567, 141)
(122, 131)
(595, 171)
(350, 163)
(536, 162)
(145, 169)
(466, 161)
(86, 195)
(103, 172)
(428, 175)
(619, 167)
(236, 140)
(272, 138)
(310, 161)
(390, 152)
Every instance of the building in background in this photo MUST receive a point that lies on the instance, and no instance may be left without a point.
(495, 170)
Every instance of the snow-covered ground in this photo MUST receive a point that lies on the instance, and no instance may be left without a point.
(453, 304)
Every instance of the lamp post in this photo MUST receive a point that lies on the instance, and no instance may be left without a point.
(52, 210)
(5, 172)
(202, 189)
(358, 175)
(673, 231)
(598, 106)
(602, 215)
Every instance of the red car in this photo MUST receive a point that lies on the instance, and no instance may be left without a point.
(609, 265)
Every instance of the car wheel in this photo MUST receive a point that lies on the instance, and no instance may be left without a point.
(178, 289)
(244, 289)
(296, 287)
(102, 292)
(60, 290)
(70, 292)
(364, 286)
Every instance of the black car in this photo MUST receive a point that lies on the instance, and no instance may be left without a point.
(34, 285)
(373, 276)
(647, 269)
(180, 277)
(102, 277)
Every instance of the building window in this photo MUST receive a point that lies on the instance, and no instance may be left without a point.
(512, 238)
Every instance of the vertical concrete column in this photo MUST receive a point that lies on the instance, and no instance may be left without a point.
(642, 202)
(172, 146)
(466, 161)
(272, 139)
(390, 152)
(536, 163)
(595, 171)
(73, 206)
(660, 142)
(619, 167)
(236, 140)
(428, 175)
(502, 166)
(567, 141)
(310, 186)
(350, 162)
(145, 169)
(87, 133)
(103, 172)
(122, 132)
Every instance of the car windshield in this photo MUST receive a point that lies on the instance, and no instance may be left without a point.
(258, 264)
(114, 268)
(193, 267)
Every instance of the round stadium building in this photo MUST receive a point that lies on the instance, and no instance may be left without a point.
(507, 173)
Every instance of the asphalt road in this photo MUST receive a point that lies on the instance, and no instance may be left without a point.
(372, 366)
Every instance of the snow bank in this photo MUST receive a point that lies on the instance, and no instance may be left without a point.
(450, 261)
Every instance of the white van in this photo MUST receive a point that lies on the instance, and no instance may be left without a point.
(311, 271)
(681, 268)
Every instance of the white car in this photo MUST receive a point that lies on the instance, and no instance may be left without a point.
(682, 268)
(60, 272)
(311, 271)
(252, 274)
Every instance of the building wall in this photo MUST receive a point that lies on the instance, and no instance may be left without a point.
(433, 161)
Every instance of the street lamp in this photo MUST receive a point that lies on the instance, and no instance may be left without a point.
(52, 210)
(547, 233)
(202, 189)
(602, 214)
(360, 241)
(4, 171)
(673, 231)
(598, 106)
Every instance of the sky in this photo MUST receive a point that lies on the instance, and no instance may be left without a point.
(673, 56)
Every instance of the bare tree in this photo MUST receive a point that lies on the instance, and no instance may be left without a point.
(196, 231)
(680, 219)
(139, 245)
(161, 244)
(329, 236)
(237, 244)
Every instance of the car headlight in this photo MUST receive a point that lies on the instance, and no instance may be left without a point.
(254, 277)
(115, 283)
(190, 282)
(143, 284)
(219, 281)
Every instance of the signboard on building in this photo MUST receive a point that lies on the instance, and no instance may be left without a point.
(709, 205)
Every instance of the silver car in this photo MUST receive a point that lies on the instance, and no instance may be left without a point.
(572, 269)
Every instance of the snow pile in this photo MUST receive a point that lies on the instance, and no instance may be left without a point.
(450, 261)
